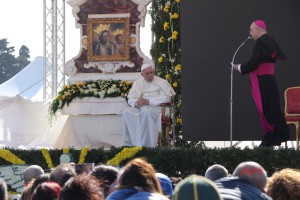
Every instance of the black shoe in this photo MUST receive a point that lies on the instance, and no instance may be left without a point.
(264, 143)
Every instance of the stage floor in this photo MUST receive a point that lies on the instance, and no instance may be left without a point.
(242, 144)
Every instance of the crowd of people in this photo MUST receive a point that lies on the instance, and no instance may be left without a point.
(138, 180)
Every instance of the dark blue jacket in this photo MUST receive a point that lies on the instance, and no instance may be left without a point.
(234, 188)
(133, 194)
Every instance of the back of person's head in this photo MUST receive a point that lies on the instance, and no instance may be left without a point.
(82, 187)
(46, 191)
(3, 190)
(139, 173)
(216, 172)
(107, 175)
(62, 173)
(252, 172)
(26, 193)
(40, 179)
(284, 184)
(32, 172)
(196, 187)
(165, 183)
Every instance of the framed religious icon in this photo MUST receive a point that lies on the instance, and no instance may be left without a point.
(108, 37)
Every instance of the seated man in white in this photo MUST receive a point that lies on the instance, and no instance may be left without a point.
(143, 118)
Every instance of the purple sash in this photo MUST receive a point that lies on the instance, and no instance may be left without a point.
(262, 69)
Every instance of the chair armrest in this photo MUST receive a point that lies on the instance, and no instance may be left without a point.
(165, 117)
(168, 104)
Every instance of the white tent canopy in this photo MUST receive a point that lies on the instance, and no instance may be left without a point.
(23, 114)
(24, 124)
(24, 118)
(28, 82)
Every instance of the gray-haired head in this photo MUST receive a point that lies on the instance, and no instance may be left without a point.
(32, 172)
(216, 172)
(62, 173)
(252, 172)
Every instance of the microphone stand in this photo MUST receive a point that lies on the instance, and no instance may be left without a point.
(231, 87)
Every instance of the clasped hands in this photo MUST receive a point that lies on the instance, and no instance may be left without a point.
(142, 102)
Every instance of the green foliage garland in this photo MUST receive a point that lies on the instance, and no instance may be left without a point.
(166, 51)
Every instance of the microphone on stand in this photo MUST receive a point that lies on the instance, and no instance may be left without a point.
(248, 38)
(231, 86)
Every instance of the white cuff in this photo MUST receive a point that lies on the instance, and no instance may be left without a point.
(239, 67)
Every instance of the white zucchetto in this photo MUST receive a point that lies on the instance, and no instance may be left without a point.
(144, 66)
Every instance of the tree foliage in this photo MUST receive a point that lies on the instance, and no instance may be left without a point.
(9, 64)
(24, 55)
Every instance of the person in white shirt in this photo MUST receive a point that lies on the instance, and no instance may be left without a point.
(143, 118)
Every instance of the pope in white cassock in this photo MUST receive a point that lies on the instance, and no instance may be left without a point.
(143, 118)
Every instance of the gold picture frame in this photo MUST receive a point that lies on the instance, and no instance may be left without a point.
(108, 38)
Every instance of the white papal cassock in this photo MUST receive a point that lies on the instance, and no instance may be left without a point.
(143, 124)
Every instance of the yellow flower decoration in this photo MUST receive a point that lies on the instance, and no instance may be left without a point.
(83, 154)
(175, 84)
(47, 157)
(66, 93)
(124, 154)
(166, 26)
(161, 39)
(174, 35)
(82, 83)
(66, 150)
(174, 16)
(10, 157)
(167, 76)
(166, 8)
(179, 121)
(178, 67)
(160, 59)
(177, 1)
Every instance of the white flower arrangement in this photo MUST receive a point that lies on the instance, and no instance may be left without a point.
(100, 89)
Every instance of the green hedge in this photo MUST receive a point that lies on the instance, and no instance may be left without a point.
(178, 161)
